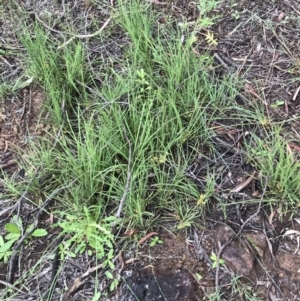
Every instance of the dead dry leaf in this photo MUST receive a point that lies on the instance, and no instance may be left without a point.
(241, 186)
(130, 232)
(146, 237)
(131, 260)
(294, 146)
(281, 16)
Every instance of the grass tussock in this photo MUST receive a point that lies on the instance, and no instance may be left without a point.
(130, 132)
(130, 135)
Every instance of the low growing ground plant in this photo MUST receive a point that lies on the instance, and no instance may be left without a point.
(85, 232)
(276, 163)
(15, 231)
(216, 261)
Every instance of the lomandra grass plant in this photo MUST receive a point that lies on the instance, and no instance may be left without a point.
(166, 99)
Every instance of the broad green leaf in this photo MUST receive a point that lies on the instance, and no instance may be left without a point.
(111, 264)
(6, 256)
(80, 248)
(12, 236)
(113, 285)
(71, 254)
(30, 228)
(7, 246)
(100, 228)
(39, 232)
(183, 225)
(213, 256)
(100, 253)
(96, 296)
(110, 219)
(109, 244)
(110, 254)
(12, 228)
(109, 275)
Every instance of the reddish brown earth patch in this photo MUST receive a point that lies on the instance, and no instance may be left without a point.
(248, 256)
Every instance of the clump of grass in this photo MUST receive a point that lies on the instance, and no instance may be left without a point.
(58, 71)
(132, 137)
(275, 162)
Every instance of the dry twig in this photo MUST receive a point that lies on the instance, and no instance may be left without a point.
(85, 36)
(241, 186)
(118, 214)
(81, 280)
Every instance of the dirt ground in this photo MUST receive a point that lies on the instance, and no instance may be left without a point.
(250, 238)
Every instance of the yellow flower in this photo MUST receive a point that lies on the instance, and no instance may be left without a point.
(202, 200)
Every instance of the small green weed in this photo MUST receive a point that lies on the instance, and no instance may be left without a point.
(87, 233)
(14, 230)
(205, 8)
(199, 276)
(186, 215)
(114, 280)
(243, 291)
(216, 261)
(155, 240)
